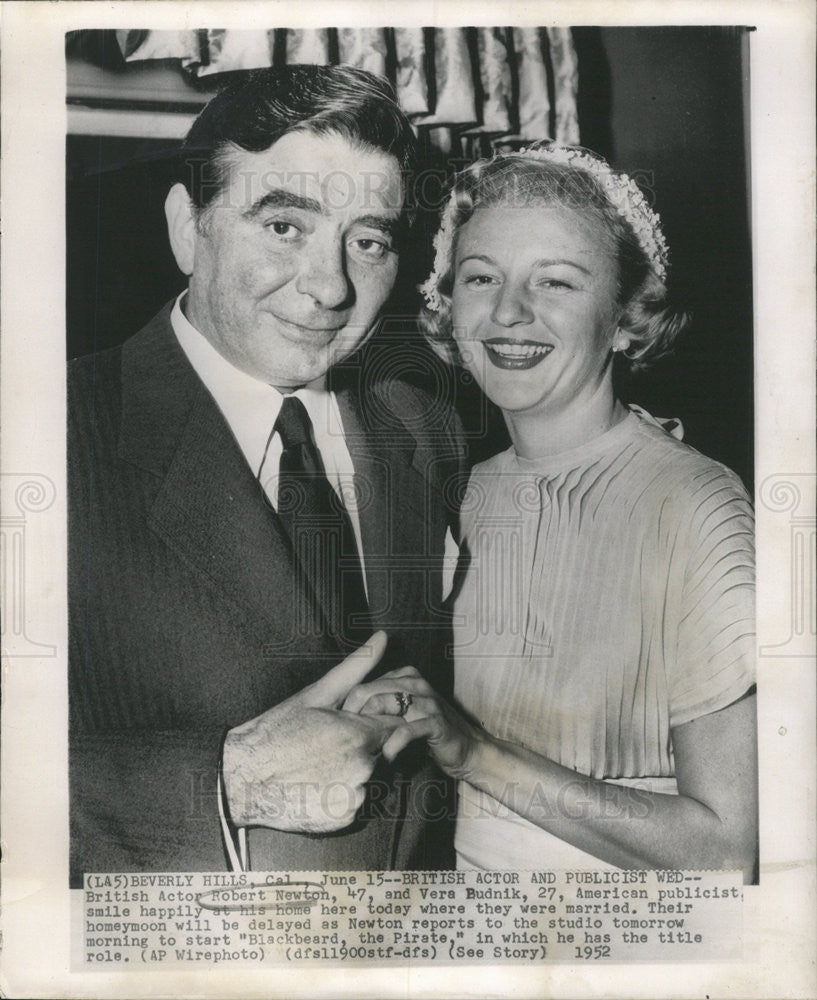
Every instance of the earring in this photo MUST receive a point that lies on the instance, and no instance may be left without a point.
(620, 342)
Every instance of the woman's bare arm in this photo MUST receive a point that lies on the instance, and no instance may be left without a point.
(710, 824)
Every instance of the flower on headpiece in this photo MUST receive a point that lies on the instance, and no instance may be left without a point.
(443, 250)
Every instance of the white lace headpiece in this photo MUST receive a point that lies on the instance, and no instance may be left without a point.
(622, 191)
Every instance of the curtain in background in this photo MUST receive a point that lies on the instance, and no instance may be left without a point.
(464, 86)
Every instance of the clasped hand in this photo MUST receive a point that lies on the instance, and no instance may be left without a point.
(451, 738)
(303, 764)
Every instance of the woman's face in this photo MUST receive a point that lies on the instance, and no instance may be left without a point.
(534, 306)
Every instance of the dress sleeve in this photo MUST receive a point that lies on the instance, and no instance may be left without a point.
(715, 655)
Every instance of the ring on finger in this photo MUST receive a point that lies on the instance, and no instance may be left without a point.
(404, 699)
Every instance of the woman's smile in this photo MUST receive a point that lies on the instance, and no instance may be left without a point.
(515, 354)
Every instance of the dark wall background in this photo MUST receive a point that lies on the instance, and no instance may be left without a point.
(665, 104)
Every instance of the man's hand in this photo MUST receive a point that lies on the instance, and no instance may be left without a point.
(302, 765)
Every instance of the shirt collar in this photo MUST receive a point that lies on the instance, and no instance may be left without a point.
(249, 405)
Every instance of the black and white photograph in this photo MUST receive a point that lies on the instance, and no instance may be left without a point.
(420, 497)
(602, 625)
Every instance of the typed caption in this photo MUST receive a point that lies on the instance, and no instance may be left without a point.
(186, 920)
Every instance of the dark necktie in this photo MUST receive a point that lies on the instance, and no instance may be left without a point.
(319, 527)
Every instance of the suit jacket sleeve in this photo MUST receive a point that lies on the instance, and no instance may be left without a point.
(142, 782)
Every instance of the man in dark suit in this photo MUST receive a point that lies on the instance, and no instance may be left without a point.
(211, 647)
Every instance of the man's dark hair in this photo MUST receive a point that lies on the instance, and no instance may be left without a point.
(254, 111)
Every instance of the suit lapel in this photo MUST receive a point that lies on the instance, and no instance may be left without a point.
(391, 491)
(212, 511)
(209, 507)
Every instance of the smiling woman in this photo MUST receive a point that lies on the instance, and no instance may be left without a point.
(604, 636)
(588, 282)
(535, 321)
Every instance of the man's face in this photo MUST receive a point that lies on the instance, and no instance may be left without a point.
(294, 259)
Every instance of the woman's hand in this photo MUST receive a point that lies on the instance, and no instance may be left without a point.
(451, 739)
(710, 824)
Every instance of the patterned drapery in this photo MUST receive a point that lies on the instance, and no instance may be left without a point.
(494, 84)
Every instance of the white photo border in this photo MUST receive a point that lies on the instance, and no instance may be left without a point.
(780, 912)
